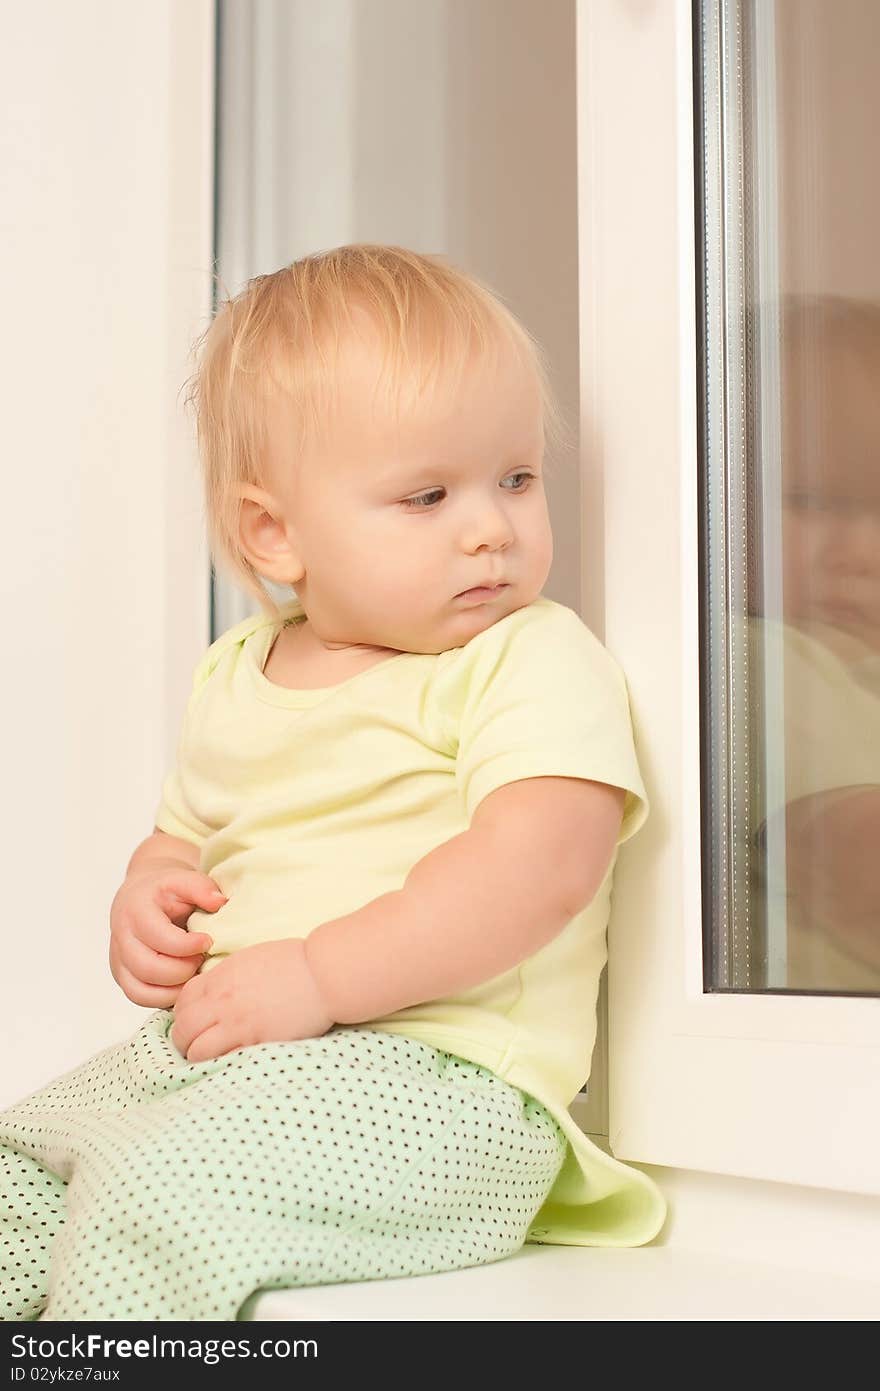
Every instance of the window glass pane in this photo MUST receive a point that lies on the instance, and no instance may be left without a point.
(787, 105)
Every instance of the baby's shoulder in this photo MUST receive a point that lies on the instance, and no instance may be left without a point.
(233, 637)
(530, 651)
(541, 630)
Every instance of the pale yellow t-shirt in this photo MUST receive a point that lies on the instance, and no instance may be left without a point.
(831, 733)
(307, 804)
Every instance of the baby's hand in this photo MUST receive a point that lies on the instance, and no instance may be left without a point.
(261, 994)
(151, 953)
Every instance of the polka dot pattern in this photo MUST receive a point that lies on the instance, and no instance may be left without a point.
(141, 1186)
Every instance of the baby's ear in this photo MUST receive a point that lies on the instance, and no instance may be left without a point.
(263, 536)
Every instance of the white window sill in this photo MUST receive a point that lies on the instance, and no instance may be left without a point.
(732, 1249)
(543, 1283)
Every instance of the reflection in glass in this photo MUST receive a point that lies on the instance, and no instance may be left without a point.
(790, 495)
(830, 539)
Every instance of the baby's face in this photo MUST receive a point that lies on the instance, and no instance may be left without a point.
(390, 525)
(831, 495)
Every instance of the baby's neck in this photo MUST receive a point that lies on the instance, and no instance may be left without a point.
(297, 664)
(301, 635)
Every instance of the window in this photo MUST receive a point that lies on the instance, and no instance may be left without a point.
(728, 221)
(787, 226)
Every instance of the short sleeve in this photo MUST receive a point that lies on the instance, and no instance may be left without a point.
(545, 698)
(175, 814)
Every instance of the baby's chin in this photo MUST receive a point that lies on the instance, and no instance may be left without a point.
(466, 622)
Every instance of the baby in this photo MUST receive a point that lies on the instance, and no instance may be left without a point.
(370, 922)
(825, 811)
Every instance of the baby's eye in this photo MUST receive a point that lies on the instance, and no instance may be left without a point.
(423, 500)
(800, 499)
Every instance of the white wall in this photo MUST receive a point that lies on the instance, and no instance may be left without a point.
(106, 171)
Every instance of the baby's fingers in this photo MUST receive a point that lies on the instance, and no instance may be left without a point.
(153, 996)
(189, 889)
(154, 968)
(155, 930)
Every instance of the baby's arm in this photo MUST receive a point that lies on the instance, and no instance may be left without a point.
(163, 849)
(534, 855)
(831, 840)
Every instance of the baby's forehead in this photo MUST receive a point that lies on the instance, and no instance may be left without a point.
(377, 384)
(369, 404)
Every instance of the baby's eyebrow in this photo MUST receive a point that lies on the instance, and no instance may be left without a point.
(398, 472)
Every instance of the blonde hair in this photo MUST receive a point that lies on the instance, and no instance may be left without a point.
(282, 333)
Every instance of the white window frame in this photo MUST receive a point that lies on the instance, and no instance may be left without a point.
(759, 1086)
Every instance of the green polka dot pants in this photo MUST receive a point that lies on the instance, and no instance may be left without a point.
(141, 1186)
